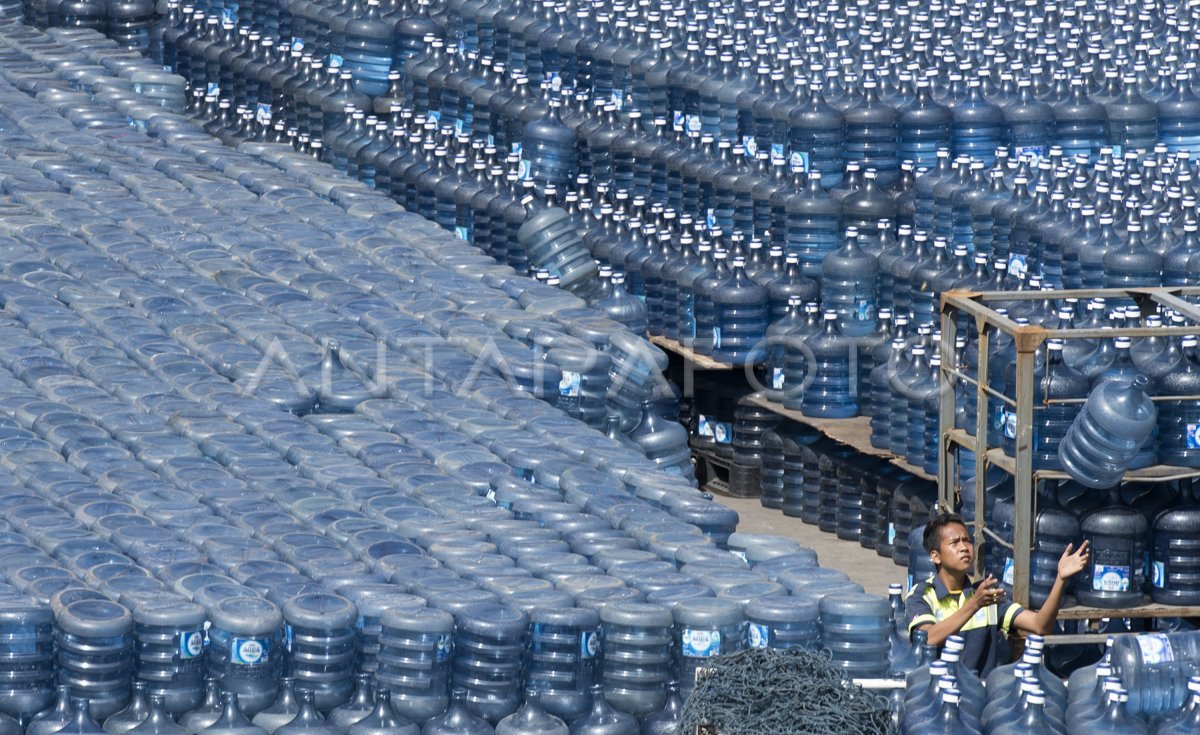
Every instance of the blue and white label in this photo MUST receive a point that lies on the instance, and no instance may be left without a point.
(891, 536)
(461, 233)
(191, 644)
(710, 218)
(435, 115)
(229, 15)
(336, 61)
(589, 644)
(677, 121)
(555, 81)
(262, 113)
(1158, 574)
(1155, 648)
(864, 310)
(297, 43)
(1193, 436)
(1118, 151)
(249, 651)
(750, 144)
(571, 384)
(800, 161)
(1009, 422)
(460, 127)
(704, 427)
(700, 643)
(289, 635)
(445, 645)
(524, 170)
(213, 90)
(1111, 578)
(778, 153)
(716, 338)
(777, 378)
(618, 98)
(693, 123)
(1018, 265)
(759, 635)
(1035, 151)
(1009, 570)
(515, 148)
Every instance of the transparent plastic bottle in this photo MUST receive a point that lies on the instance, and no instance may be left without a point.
(829, 356)
(1104, 438)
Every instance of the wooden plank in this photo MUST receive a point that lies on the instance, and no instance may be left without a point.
(1149, 610)
(854, 433)
(703, 362)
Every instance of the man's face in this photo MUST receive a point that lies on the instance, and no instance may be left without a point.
(956, 552)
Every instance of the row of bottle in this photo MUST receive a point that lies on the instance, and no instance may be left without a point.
(763, 91)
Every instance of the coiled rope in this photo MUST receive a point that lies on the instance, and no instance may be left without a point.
(791, 692)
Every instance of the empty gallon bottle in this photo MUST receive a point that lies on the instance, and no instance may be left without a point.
(1134, 264)
(285, 707)
(232, 721)
(94, 644)
(308, 720)
(1155, 667)
(740, 318)
(458, 719)
(208, 712)
(849, 280)
(828, 353)
(414, 660)
(531, 719)
(489, 645)
(704, 628)
(1132, 119)
(978, 128)
(551, 241)
(321, 628)
(1179, 116)
(1115, 574)
(563, 656)
(245, 649)
(549, 147)
(619, 305)
(169, 635)
(664, 442)
(1080, 123)
(783, 623)
(27, 662)
(1029, 122)
(602, 719)
(854, 628)
(1178, 441)
(637, 658)
(1051, 422)
(1174, 559)
(368, 49)
(1116, 420)
(817, 136)
(872, 135)
(924, 127)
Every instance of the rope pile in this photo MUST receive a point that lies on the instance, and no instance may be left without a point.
(769, 692)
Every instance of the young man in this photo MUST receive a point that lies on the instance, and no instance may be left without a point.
(949, 603)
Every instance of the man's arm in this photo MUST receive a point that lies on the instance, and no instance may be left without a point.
(939, 631)
(1042, 622)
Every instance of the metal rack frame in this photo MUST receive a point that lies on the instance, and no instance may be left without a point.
(956, 305)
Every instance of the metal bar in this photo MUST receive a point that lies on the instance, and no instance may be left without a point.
(981, 428)
(1023, 478)
(947, 473)
(990, 534)
(1187, 308)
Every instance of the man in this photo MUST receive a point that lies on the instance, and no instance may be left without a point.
(949, 603)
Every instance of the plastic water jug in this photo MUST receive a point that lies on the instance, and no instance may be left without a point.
(1116, 571)
(638, 660)
(828, 356)
(1114, 422)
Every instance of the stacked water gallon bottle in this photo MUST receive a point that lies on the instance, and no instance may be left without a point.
(714, 173)
(280, 456)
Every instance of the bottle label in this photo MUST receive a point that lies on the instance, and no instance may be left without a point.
(700, 643)
(191, 644)
(213, 90)
(618, 98)
(1009, 568)
(1018, 265)
(777, 378)
(910, 581)
(864, 309)
(570, 388)
(288, 637)
(1008, 420)
(800, 161)
(716, 337)
(1111, 578)
(524, 170)
(462, 233)
(229, 15)
(515, 148)
(460, 127)
(740, 554)
(491, 140)
(710, 218)
(704, 427)
(445, 645)
(891, 536)
(491, 494)
(777, 152)
(555, 81)
(750, 144)
(297, 43)
(589, 644)
(249, 651)
(435, 115)
(336, 61)
(677, 121)
(1155, 648)
(1035, 151)
(262, 113)
(1193, 436)
(1158, 574)
(1118, 150)
(760, 635)
(693, 123)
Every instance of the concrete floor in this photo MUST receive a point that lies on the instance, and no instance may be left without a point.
(864, 566)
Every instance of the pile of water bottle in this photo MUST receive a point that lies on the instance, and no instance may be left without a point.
(1118, 694)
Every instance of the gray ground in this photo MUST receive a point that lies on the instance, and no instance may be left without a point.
(864, 566)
